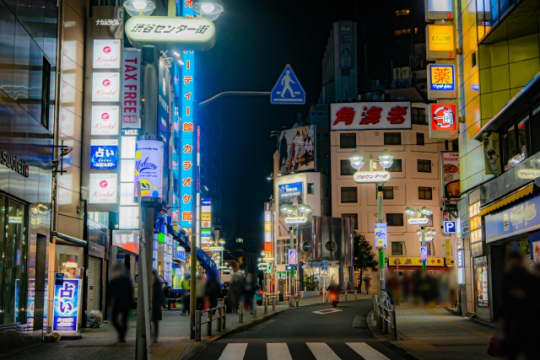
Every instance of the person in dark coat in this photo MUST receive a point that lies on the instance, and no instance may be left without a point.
(517, 305)
(120, 300)
(157, 303)
(212, 290)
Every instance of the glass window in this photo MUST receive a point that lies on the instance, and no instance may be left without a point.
(349, 194)
(423, 165)
(418, 116)
(397, 248)
(425, 193)
(394, 219)
(311, 188)
(392, 138)
(522, 129)
(353, 218)
(419, 138)
(509, 146)
(388, 192)
(347, 140)
(396, 166)
(346, 168)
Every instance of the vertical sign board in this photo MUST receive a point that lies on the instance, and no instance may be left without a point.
(442, 121)
(176, 153)
(381, 235)
(67, 307)
(291, 257)
(163, 113)
(188, 131)
(131, 89)
(206, 220)
(149, 168)
(268, 245)
(441, 81)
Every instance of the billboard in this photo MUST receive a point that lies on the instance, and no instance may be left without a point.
(104, 154)
(443, 121)
(103, 188)
(297, 149)
(440, 41)
(439, 9)
(370, 115)
(450, 174)
(131, 89)
(106, 54)
(149, 168)
(288, 194)
(441, 81)
(105, 86)
(104, 120)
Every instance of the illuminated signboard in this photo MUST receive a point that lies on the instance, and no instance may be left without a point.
(104, 120)
(439, 9)
(443, 121)
(381, 235)
(187, 128)
(67, 306)
(131, 88)
(149, 168)
(296, 220)
(195, 33)
(440, 41)
(104, 154)
(106, 54)
(441, 81)
(418, 221)
(291, 257)
(105, 87)
(103, 188)
(371, 176)
(370, 115)
(206, 219)
(267, 226)
(292, 190)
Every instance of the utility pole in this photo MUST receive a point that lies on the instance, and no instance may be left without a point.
(380, 219)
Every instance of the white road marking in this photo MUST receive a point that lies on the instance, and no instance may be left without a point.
(234, 351)
(322, 351)
(327, 311)
(366, 351)
(278, 351)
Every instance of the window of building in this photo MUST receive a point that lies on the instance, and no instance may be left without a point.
(346, 167)
(419, 138)
(353, 218)
(514, 143)
(400, 32)
(397, 247)
(349, 194)
(396, 166)
(402, 12)
(425, 193)
(347, 140)
(418, 116)
(311, 188)
(473, 59)
(392, 138)
(45, 93)
(388, 192)
(394, 219)
(423, 165)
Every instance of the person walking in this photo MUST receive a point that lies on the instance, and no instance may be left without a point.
(120, 300)
(157, 303)
(249, 292)
(185, 295)
(212, 290)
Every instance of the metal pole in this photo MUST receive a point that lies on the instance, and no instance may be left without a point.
(380, 219)
(193, 286)
(423, 243)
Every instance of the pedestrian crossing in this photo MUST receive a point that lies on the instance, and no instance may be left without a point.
(294, 351)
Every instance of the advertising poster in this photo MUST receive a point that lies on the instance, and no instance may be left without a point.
(106, 54)
(291, 257)
(103, 188)
(66, 307)
(288, 194)
(104, 120)
(103, 154)
(149, 168)
(370, 115)
(443, 121)
(105, 86)
(481, 281)
(492, 153)
(450, 176)
(297, 149)
(380, 235)
(131, 105)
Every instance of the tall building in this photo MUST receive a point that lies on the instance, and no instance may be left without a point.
(498, 84)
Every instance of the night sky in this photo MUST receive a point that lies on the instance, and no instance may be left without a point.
(255, 39)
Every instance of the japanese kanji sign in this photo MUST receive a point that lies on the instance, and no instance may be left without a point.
(370, 115)
(66, 307)
(193, 33)
(441, 81)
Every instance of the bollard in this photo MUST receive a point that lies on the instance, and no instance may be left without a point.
(224, 318)
(297, 301)
(197, 325)
(241, 314)
(209, 324)
(219, 318)
(265, 304)
(394, 324)
(274, 303)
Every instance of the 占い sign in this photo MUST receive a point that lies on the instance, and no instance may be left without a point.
(443, 121)
(104, 154)
(66, 307)
(370, 115)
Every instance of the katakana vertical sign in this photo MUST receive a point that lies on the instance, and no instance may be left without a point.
(66, 307)
(187, 163)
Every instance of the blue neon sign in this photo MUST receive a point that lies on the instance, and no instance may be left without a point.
(66, 306)
(103, 157)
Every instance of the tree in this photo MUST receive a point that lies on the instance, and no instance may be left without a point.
(363, 256)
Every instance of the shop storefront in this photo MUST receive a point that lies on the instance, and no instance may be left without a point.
(98, 238)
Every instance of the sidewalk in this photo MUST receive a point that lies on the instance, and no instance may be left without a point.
(435, 334)
(173, 340)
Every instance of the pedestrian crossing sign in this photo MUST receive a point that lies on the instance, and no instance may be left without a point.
(288, 90)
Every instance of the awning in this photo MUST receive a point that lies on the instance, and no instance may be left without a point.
(516, 195)
(516, 108)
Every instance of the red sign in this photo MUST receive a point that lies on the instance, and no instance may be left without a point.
(443, 121)
(370, 116)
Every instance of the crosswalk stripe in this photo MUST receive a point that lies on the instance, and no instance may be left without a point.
(277, 351)
(322, 351)
(234, 351)
(366, 351)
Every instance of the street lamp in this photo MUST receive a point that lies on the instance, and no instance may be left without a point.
(421, 217)
(378, 177)
(139, 7)
(210, 9)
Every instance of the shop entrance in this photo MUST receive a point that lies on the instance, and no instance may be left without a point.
(13, 259)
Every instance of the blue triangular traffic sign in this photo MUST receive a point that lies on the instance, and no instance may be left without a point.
(288, 90)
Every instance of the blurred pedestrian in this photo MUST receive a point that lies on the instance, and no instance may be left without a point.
(185, 295)
(249, 292)
(212, 290)
(157, 303)
(120, 300)
(518, 304)
(199, 292)
(237, 287)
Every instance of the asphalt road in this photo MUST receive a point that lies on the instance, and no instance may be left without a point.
(307, 333)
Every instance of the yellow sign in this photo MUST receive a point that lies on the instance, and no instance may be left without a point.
(206, 217)
(414, 261)
(267, 226)
(441, 38)
(447, 249)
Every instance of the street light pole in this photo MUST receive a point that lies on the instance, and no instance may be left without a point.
(380, 215)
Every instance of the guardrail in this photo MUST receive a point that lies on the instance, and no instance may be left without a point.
(385, 312)
(207, 317)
